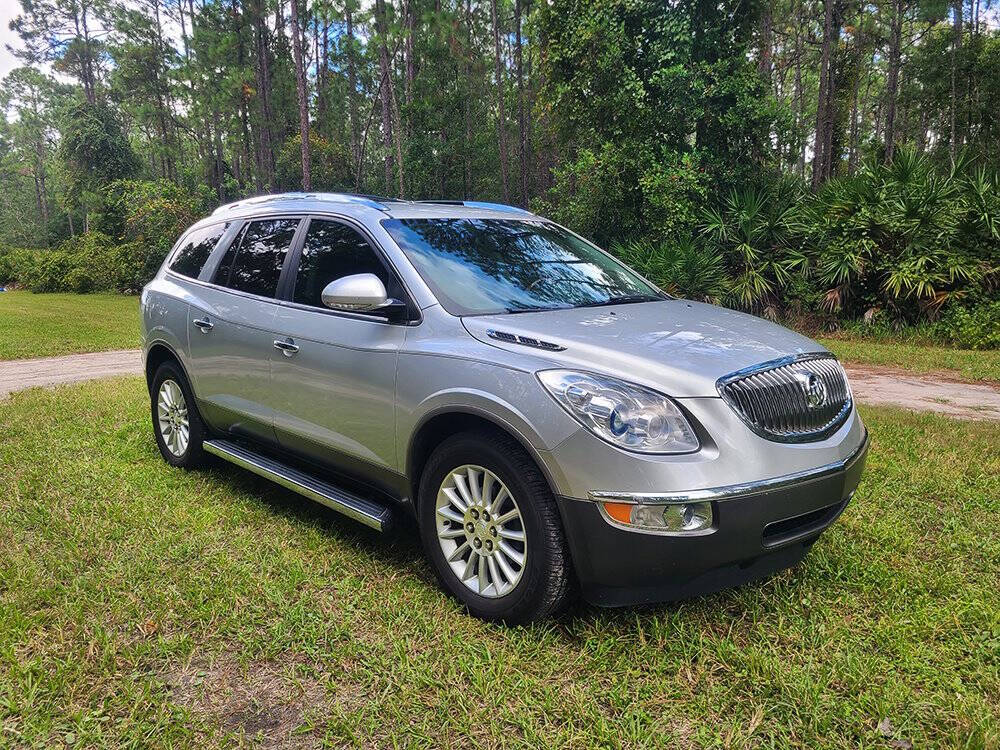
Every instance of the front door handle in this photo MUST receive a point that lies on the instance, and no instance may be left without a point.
(288, 348)
(204, 325)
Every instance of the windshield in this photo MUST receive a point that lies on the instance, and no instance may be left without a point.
(483, 266)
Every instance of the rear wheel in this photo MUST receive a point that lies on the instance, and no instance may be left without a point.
(491, 529)
(176, 423)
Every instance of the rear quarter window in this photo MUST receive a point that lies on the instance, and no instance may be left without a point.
(190, 257)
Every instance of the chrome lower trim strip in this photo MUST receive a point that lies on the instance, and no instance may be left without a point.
(733, 490)
(305, 485)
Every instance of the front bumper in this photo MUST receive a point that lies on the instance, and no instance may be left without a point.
(760, 528)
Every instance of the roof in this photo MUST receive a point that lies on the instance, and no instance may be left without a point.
(367, 204)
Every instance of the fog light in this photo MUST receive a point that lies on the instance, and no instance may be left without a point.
(673, 518)
(688, 517)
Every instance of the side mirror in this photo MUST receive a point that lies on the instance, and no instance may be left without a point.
(361, 292)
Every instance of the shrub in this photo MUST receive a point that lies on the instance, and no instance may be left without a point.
(47, 271)
(673, 190)
(596, 194)
(755, 233)
(975, 327)
(81, 279)
(153, 213)
(14, 262)
(88, 262)
(683, 268)
(902, 238)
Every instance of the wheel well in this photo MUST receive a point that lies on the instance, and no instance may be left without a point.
(157, 355)
(442, 426)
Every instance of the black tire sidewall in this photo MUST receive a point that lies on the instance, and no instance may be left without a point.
(531, 492)
(193, 455)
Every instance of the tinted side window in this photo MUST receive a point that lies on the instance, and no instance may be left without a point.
(333, 250)
(198, 245)
(258, 260)
(226, 263)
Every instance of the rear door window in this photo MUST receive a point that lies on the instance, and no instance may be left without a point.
(253, 262)
(190, 257)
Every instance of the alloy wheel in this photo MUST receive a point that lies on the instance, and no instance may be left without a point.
(172, 417)
(480, 530)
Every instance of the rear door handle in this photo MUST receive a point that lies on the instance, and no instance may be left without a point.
(288, 348)
(204, 325)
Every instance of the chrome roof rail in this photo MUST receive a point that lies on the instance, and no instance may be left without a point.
(360, 200)
(481, 204)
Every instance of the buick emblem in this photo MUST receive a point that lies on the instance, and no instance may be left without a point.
(813, 388)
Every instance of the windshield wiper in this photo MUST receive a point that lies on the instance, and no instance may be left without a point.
(625, 299)
(517, 310)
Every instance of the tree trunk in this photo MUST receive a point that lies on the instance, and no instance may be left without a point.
(320, 60)
(265, 155)
(41, 184)
(397, 131)
(501, 109)
(86, 67)
(184, 34)
(86, 62)
(244, 104)
(352, 94)
(300, 89)
(833, 131)
(892, 81)
(323, 69)
(956, 47)
(220, 162)
(764, 62)
(799, 102)
(825, 84)
(466, 177)
(522, 125)
(385, 92)
(408, 50)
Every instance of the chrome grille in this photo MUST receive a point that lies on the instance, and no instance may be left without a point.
(793, 399)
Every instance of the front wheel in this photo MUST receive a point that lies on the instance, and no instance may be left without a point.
(176, 423)
(491, 529)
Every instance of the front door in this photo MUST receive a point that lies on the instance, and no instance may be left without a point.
(334, 383)
(230, 330)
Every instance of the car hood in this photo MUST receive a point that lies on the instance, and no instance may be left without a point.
(675, 346)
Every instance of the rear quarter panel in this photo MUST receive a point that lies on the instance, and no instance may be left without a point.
(164, 314)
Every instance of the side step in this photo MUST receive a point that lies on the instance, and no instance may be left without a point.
(370, 513)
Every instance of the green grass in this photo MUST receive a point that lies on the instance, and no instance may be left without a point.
(142, 605)
(44, 325)
(962, 363)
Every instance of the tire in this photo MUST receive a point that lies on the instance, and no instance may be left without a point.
(540, 586)
(169, 380)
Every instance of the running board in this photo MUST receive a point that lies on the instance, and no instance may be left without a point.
(370, 513)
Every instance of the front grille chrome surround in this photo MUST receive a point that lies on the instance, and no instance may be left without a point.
(773, 398)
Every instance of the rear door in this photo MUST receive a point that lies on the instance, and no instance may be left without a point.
(230, 329)
(334, 387)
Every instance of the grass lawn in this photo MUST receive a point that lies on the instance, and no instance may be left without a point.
(44, 325)
(964, 363)
(141, 605)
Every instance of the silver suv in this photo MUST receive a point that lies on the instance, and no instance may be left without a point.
(551, 419)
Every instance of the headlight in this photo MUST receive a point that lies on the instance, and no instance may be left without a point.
(624, 414)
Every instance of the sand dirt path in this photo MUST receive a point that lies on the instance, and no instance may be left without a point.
(936, 392)
(18, 374)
